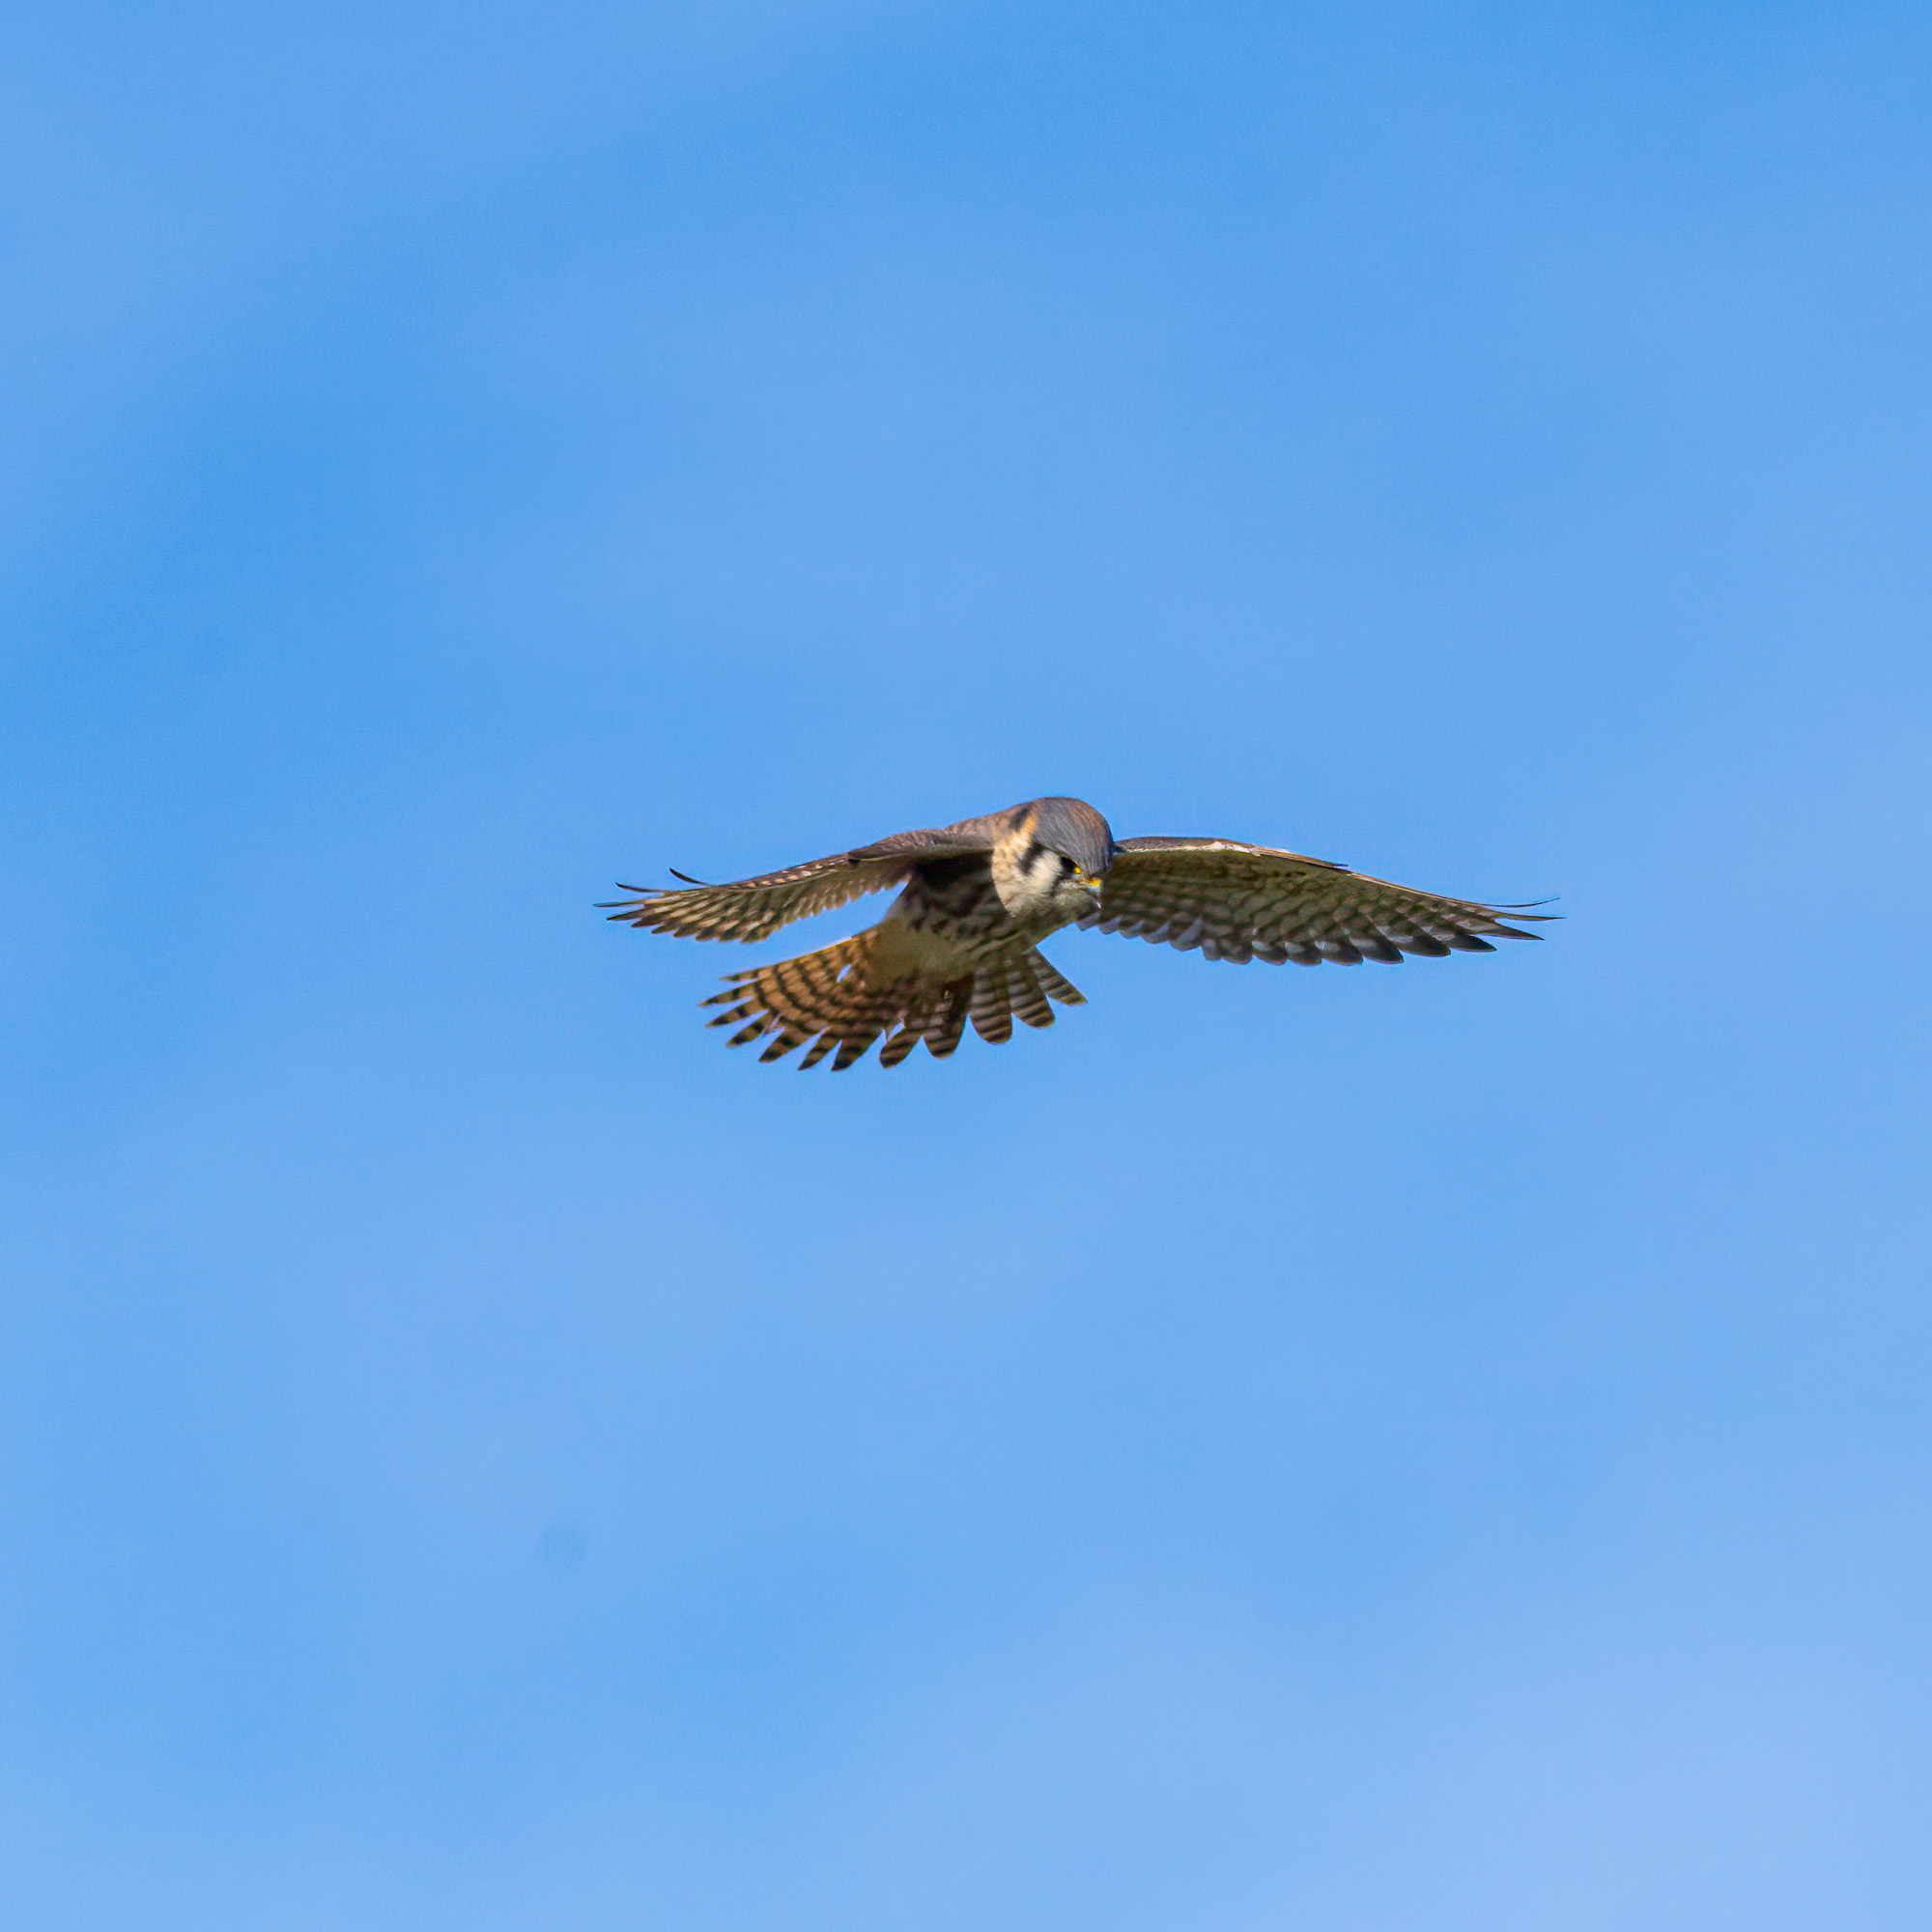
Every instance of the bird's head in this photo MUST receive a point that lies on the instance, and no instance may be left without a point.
(1054, 857)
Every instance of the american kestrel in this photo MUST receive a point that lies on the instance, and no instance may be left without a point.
(960, 941)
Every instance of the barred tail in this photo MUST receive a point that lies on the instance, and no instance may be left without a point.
(836, 999)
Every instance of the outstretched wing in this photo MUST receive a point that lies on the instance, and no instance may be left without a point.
(755, 908)
(1244, 902)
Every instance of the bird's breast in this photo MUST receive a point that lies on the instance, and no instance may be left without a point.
(951, 915)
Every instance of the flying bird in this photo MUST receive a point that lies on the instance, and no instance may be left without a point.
(962, 941)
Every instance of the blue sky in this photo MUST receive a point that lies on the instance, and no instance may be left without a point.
(1429, 1447)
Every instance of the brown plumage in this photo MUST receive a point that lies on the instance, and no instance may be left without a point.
(962, 941)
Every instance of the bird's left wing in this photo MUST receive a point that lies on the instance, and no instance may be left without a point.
(754, 908)
(1243, 902)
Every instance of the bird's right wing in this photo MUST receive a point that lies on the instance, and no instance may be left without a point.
(1241, 903)
(751, 909)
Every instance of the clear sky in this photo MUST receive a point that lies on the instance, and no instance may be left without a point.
(1432, 1447)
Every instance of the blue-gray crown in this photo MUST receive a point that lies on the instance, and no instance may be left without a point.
(1072, 826)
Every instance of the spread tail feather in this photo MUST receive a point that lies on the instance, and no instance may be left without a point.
(838, 1000)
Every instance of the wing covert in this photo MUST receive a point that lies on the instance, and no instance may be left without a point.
(1240, 902)
(748, 909)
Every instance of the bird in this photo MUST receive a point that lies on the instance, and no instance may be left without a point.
(962, 940)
